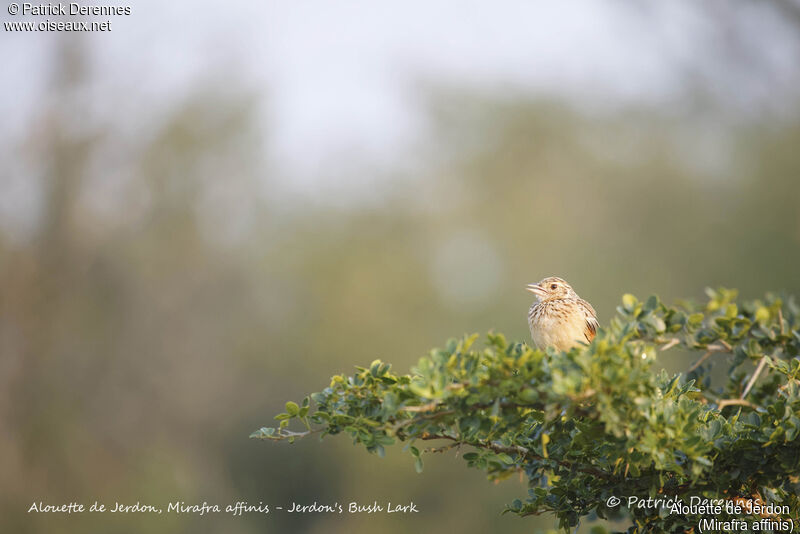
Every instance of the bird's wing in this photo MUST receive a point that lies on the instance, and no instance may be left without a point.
(591, 319)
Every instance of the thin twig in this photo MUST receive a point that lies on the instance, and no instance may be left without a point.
(723, 346)
(524, 452)
(735, 402)
(703, 358)
(399, 425)
(671, 343)
(780, 320)
(753, 378)
(425, 411)
(423, 408)
(285, 433)
(442, 448)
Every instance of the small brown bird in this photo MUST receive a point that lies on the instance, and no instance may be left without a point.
(560, 318)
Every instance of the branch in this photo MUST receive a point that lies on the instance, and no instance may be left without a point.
(284, 433)
(669, 344)
(703, 358)
(422, 408)
(724, 346)
(753, 378)
(399, 425)
(526, 453)
(443, 448)
(735, 402)
(425, 411)
(763, 361)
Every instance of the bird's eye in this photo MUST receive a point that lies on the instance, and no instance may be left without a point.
(553, 286)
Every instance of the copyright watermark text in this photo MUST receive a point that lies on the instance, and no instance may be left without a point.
(69, 17)
(716, 515)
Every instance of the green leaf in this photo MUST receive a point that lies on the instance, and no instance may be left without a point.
(263, 433)
(629, 302)
(292, 409)
(651, 304)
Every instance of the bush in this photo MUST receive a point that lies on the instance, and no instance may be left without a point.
(597, 421)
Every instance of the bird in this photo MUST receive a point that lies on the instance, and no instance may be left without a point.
(560, 318)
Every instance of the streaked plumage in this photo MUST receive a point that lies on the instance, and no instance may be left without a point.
(560, 318)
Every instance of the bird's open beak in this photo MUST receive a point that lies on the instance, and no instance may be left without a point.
(535, 289)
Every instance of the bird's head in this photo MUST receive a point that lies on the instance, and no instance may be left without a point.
(550, 288)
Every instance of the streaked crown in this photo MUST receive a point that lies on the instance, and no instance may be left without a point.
(552, 287)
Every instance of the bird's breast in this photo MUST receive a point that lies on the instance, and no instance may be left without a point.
(554, 324)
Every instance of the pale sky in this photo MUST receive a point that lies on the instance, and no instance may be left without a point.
(337, 81)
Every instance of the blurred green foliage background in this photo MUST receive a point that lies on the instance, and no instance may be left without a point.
(152, 318)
